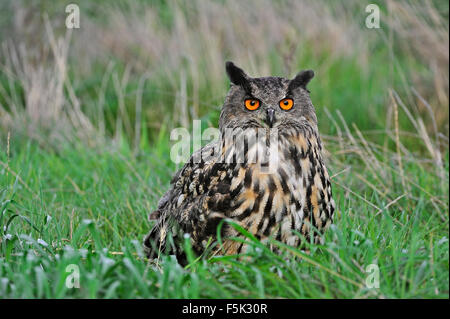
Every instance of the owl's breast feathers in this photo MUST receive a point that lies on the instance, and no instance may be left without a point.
(294, 195)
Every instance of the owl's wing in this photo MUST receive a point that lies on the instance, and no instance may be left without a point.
(187, 206)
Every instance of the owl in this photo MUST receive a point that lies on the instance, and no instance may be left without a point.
(265, 173)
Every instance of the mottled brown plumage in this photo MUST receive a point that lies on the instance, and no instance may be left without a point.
(267, 193)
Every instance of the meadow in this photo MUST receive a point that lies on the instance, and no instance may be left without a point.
(85, 122)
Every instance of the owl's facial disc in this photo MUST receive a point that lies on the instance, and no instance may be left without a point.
(266, 102)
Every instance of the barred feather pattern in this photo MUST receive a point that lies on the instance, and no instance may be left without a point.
(295, 196)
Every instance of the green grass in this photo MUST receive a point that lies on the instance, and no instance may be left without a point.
(89, 209)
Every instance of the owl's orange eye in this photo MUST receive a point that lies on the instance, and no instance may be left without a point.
(286, 104)
(251, 104)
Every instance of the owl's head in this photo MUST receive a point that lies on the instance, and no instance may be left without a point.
(266, 102)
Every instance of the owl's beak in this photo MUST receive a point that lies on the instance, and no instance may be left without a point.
(270, 117)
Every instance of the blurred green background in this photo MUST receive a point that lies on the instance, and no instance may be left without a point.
(152, 64)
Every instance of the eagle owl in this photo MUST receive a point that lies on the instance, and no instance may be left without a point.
(273, 184)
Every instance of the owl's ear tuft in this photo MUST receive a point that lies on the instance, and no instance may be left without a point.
(301, 79)
(237, 76)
